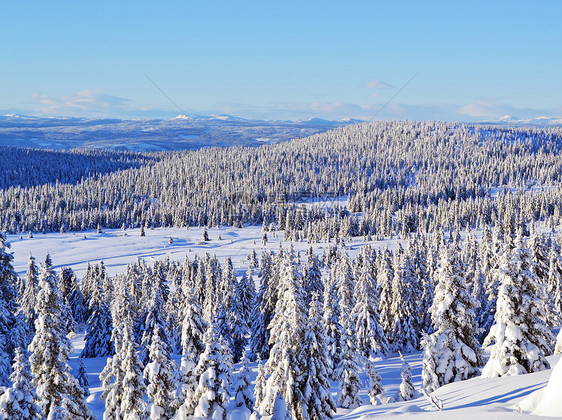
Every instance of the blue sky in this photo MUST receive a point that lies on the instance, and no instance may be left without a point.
(282, 60)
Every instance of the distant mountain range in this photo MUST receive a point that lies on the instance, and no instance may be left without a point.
(180, 133)
(511, 120)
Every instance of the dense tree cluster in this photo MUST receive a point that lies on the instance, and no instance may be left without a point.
(306, 311)
(403, 176)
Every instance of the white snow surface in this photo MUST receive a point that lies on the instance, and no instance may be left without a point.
(510, 397)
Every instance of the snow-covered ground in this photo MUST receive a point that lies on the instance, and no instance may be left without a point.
(476, 398)
(117, 248)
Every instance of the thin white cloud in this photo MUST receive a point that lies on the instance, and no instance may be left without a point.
(480, 109)
(84, 102)
(378, 84)
(492, 109)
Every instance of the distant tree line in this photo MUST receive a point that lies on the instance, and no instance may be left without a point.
(403, 177)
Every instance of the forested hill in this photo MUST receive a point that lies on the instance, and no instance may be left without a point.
(395, 174)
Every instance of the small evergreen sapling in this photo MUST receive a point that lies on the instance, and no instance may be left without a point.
(83, 378)
(375, 382)
(406, 386)
(244, 396)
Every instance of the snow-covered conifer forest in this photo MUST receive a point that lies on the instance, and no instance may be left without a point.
(375, 269)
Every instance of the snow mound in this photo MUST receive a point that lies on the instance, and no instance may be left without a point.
(410, 408)
(551, 404)
(545, 401)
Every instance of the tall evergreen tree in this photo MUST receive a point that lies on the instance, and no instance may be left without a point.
(8, 307)
(405, 329)
(385, 275)
(159, 373)
(155, 316)
(212, 394)
(20, 400)
(312, 277)
(56, 387)
(99, 326)
(193, 330)
(29, 298)
(263, 310)
(133, 387)
(331, 318)
(520, 335)
(317, 401)
(457, 355)
(287, 331)
(370, 337)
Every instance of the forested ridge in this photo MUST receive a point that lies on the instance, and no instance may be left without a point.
(404, 176)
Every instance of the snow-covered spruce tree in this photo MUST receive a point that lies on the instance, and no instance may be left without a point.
(8, 306)
(261, 384)
(318, 403)
(492, 250)
(237, 331)
(193, 330)
(385, 274)
(133, 387)
(287, 332)
(66, 280)
(554, 286)
(520, 336)
(405, 329)
(99, 326)
(155, 316)
(369, 336)
(312, 277)
(375, 382)
(347, 370)
(244, 396)
(478, 292)
(77, 303)
(212, 394)
(245, 296)
(331, 319)
(113, 373)
(214, 283)
(28, 300)
(159, 373)
(540, 255)
(425, 285)
(56, 387)
(82, 378)
(406, 386)
(263, 310)
(457, 355)
(20, 400)
(236, 315)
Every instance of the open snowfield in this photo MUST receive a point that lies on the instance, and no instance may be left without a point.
(117, 248)
(476, 398)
